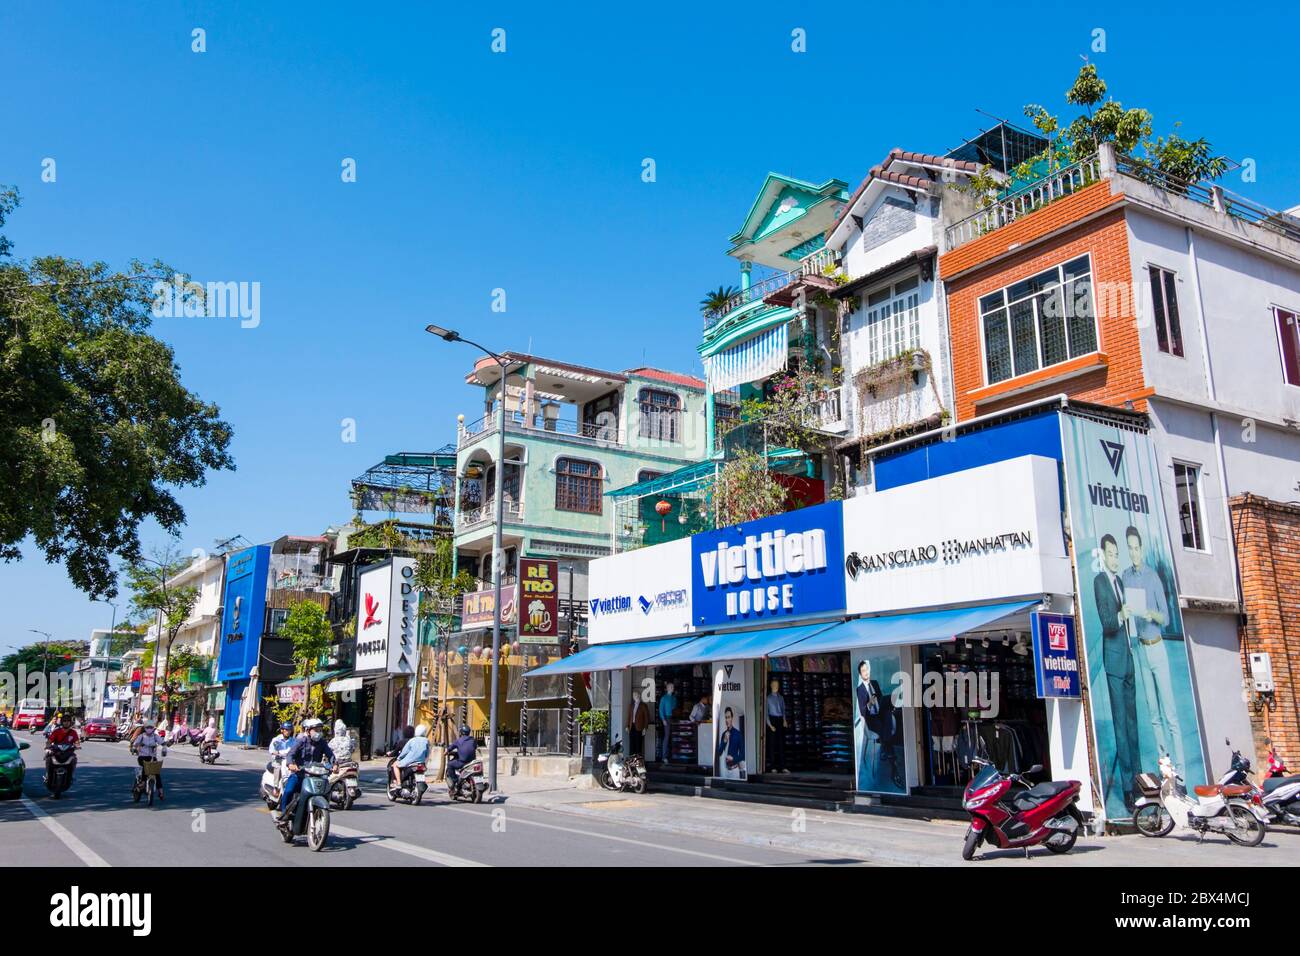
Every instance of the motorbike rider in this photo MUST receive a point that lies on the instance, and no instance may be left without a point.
(149, 745)
(341, 743)
(281, 745)
(61, 734)
(415, 750)
(309, 749)
(461, 752)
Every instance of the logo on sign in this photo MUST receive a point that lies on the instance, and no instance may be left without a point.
(372, 610)
(1114, 454)
(1056, 637)
(619, 604)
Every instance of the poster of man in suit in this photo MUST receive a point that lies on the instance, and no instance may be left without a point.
(877, 724)
(1142, 703)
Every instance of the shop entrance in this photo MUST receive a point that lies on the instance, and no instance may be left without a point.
(1005, 723)
(676, 731)
(807, 712)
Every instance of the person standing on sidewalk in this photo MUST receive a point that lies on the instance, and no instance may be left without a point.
(667, 704)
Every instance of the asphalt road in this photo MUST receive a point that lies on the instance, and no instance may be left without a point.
(213, 817)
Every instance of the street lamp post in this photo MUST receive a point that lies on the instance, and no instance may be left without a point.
(45, 661)
(498, 555)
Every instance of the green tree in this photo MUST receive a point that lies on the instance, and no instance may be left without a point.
(745, 490)
(714, 301)
(38, 658)
(308, 630)
(156, 602)
(96, 429)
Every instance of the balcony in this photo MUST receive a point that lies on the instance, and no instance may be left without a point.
(584, 432)
(824, 411)
(1021, 202)
(470, 519)
(815, 263)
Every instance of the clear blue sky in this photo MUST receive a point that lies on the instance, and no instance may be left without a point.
(518, 170)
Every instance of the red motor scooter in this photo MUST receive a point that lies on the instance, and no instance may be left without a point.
(1009, 812)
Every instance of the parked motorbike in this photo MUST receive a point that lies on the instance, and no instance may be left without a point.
(471, 783)
(344, 785)
(622, 773)
(147, 779)
(308, 812)
(273, 782)
(1216, 808)
(1280, 794)
(1009, 812)
(62, 761)
(209, 752)
(413, 783)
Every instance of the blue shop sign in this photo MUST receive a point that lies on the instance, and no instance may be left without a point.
(244, 612)
(1056, 655)
(787, 566)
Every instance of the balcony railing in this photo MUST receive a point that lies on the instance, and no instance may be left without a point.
(1023, 201)
(467, 520)
(824, 411)
(584, 431)
(811, 264)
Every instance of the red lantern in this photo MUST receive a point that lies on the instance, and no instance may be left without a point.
(662, 507)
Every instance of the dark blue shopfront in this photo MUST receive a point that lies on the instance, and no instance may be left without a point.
(242, 621)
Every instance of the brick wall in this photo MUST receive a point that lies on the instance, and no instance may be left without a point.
(1268, 551)
(1110, 378)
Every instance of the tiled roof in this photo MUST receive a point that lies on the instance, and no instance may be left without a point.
(882, 171)
(673, 378)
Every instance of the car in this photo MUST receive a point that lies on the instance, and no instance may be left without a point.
(11, 765)
(100, 728)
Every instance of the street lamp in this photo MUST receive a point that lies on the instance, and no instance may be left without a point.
(498, 555)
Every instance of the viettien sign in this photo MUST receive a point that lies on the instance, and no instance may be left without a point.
(477, 607)
(975, 535)
(785, 566)
(387, 612)
(643, 593)
(245, 612)
(1056, 655)
(539, 598)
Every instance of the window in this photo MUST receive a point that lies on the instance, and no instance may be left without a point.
(893, 320)
(660, 415)
(1187, 480)
(646, 475)
(1288, 337)
(277, 617)
(1040, 321)
(1164, 304)
(600, 417)
(577, 486)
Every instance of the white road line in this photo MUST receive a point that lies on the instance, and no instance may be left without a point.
(615, 839)
(83, 852)
(400, 846)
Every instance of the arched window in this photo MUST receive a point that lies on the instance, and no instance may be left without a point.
(660, 415)
(578, 486)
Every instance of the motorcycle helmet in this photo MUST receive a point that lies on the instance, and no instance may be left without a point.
(464, 730)
(422, 731)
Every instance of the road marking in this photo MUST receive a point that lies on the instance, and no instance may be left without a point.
(83, 852)
(617, 839)
(400, 846)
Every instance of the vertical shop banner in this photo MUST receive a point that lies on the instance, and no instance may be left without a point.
(1056, 655)
(387, 616)
(539, 600)
(1139, 676)
(734, 730)
(244, 612)
(878, 751)
(787, 566)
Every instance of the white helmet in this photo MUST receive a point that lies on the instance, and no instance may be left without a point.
(422, 731)
(311, 723)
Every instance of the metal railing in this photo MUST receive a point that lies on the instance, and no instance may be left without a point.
(512, 510)
(813, 263)
(1064, 182)
(587, 431)
(824, 410)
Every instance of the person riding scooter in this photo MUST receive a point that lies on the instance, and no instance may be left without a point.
(341, 743)
(460, 752)
(281, 744)
(414, 751)
(62, 734)
(309, 749)
(149, 745)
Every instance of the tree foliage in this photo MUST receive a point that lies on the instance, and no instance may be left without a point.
(96, 428)
(309, 631)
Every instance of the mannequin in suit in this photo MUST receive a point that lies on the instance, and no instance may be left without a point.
(1117, 659)
(638, 718)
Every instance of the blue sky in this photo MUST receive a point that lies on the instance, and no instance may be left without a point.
(518, 170)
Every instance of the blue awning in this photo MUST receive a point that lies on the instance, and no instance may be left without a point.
(609, 657)
(921, 627)
(739, 646)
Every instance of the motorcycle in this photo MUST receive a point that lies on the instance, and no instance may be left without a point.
(1011, 813)
(1216, 808)
(209, 752)
(308, 812)
(622, 773)
(413, 783)
(147, 779)
(61, 762)
(1280, 794)
(471, 783)
(344, 785)
(273, 782)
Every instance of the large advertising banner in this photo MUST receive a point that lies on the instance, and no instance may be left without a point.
(878, 751)
(539, 598)
(733, 726)
(244, 612)
(638, 594)
(1138, 671)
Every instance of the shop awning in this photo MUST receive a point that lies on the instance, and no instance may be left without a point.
(609, 657)
(921, 627)
(739, 646)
